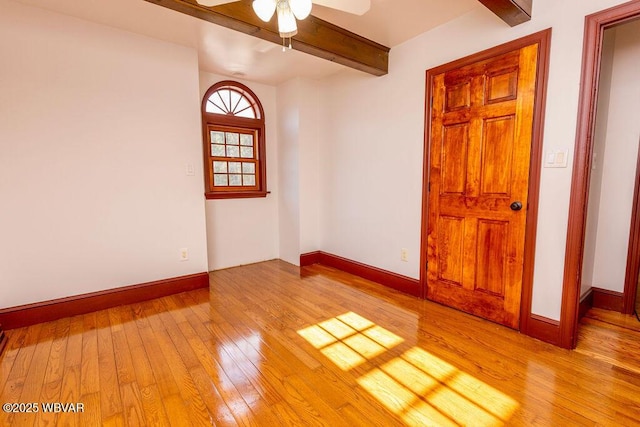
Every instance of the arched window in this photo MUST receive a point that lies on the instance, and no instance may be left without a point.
(234, 142)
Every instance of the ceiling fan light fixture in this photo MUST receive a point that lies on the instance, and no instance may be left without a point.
(264, 9)
(300, 8)
(286, 20)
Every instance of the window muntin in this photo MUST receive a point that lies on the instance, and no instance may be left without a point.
(234, 148)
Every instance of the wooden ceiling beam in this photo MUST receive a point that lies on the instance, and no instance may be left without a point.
(513, 12)
(315, 36)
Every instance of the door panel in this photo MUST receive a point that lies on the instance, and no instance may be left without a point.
(450, 238)
(454, 159)
(492, 251)
(481, 125)
(497, 147)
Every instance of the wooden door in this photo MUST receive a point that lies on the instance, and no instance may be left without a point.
(480, 149)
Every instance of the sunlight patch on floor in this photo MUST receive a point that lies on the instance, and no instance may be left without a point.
(349, 340)
(419, 387)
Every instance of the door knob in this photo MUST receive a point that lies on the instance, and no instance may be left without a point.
(515, 206)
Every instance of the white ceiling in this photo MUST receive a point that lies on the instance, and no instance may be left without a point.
(227, 52)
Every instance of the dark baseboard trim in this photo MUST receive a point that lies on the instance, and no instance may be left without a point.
(3, 340)
(586, 302)
(310, 258)
(544, 329)
(387, 278)
(46, 311)
(608, 300)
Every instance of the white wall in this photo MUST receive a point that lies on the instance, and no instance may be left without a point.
(372, 153)
(97, 126)
(244, 231)
(299, 174)
(619, 163)
(288, 173)
(310, 123)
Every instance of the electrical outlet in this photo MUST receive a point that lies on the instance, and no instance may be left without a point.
(184, 254)
(404, 255)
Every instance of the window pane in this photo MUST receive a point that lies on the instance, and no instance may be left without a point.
(212, 107)
(248, 113)
(235, 97)
(234, 167)
(246, 139)
(217, 150)
(248, 167)
(233, 151)
(235, 179)
(223, 96)
(248, 180)
(220, 167)
(217, 137)
(244, 109)
(246, 152)
(233, 138)
(220, 180)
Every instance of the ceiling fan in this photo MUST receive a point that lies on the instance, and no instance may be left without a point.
(290, 10)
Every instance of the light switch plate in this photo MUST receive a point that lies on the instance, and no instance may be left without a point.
(556, 158)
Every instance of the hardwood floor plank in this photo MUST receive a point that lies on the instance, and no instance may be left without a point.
(159, 365)
(70, 392)
(132, 407)
(189, 359)
(23, 360)
(34, 381)
(225, 387)
(154, 410)
(196, 409)
(11, 394)
(52, 387)
(91, 416)
(90, 371)
(142, 368)
(110, 400)
(73, 355)
(15, 339)
(218, 410)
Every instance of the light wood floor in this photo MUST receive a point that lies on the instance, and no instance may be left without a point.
(270, 346)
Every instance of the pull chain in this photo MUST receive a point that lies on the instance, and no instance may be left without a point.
(284, 42)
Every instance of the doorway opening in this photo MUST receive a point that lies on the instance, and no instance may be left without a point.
(595, 28)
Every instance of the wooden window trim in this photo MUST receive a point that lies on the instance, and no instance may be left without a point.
(256, 125)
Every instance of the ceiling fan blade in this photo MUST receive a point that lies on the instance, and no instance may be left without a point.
(357, 7)
(211, 3)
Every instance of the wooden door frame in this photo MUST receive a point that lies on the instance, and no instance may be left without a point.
(595, 24)
(633, 254)
(529, 324)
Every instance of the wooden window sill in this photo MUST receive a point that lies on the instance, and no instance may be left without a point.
(235, 195)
